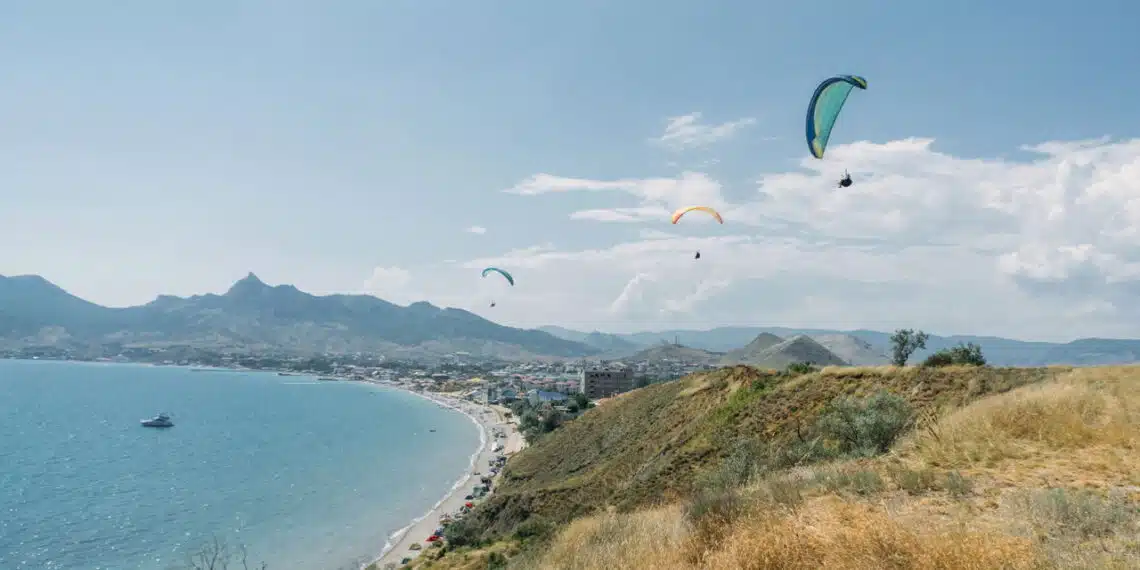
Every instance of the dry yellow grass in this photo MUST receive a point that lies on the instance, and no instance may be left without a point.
(1092, 414)
(1080, 430)
(830, 533)
(652, 538)
(839, 534)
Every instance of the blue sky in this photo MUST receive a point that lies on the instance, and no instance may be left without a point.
(170, 147)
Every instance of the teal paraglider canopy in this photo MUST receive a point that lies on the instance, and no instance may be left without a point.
(824, 108)
(510, 279)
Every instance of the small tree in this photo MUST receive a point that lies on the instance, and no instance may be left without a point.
(582, 401)
(552, 421)
(903, 344)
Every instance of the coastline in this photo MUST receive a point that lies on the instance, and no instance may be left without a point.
(487, 419)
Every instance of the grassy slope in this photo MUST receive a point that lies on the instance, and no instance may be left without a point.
(647, 447)
(969, 490)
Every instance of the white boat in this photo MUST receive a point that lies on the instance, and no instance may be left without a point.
(159, 421)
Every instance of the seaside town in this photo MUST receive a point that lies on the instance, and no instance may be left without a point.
(514, 403)
(478, 379)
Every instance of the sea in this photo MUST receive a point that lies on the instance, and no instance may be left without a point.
(302, 474)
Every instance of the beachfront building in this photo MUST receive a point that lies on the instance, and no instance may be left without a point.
(605, 382)
(536, 397)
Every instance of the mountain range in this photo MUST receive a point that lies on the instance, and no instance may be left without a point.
(254, 316)
(868, 347)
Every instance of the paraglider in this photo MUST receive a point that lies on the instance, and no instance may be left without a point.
(510, 279)
(506, 275)
(823, 110)
(682, 211)
(845, 181)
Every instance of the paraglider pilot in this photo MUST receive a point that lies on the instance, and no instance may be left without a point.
(845, 181)
(697, 256)
(492, 303)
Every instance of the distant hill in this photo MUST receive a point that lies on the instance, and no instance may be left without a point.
(999, 351)
(255, 316)
(765, 353)
(673, 352)
(854, 350)
(602, 341)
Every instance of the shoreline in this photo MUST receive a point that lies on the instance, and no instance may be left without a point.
(486, 418)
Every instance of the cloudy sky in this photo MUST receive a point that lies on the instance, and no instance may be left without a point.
(399, 147)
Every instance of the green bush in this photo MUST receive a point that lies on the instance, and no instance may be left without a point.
(716, 507)
(1079, 513)
(741, 465)
(582, 401)
(966, 354)
(866, 427)
(462, 532)
(534, 529)
(798, 368)
(496, 561)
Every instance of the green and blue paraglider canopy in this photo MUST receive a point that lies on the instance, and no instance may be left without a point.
(824, 108)
(508, 277)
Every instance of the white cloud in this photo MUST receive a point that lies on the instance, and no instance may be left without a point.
(659, 197)
(655, 234)
(686, 131)
(640, 214)
(477, 230)
(390, 284)
(1047, 247)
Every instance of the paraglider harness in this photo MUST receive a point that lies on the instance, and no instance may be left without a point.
(845, 181)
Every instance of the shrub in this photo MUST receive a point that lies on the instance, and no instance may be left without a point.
(1079, 514)
(957, 485)
(741, 465)
(940, 358)
(966, 354)
(715, 507)
(914, 482)
(217, 555)
(798, 368)
(865, 427)
(582, 401)
(862, 482)
(534, 528)
(496, 561)
(463, 532)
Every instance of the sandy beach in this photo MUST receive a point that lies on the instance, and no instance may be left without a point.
(489, 418)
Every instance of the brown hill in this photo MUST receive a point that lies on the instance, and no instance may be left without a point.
(800, 348)
(852, 349)
(673, 352)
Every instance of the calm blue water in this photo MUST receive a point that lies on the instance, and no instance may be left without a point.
(307, 475)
